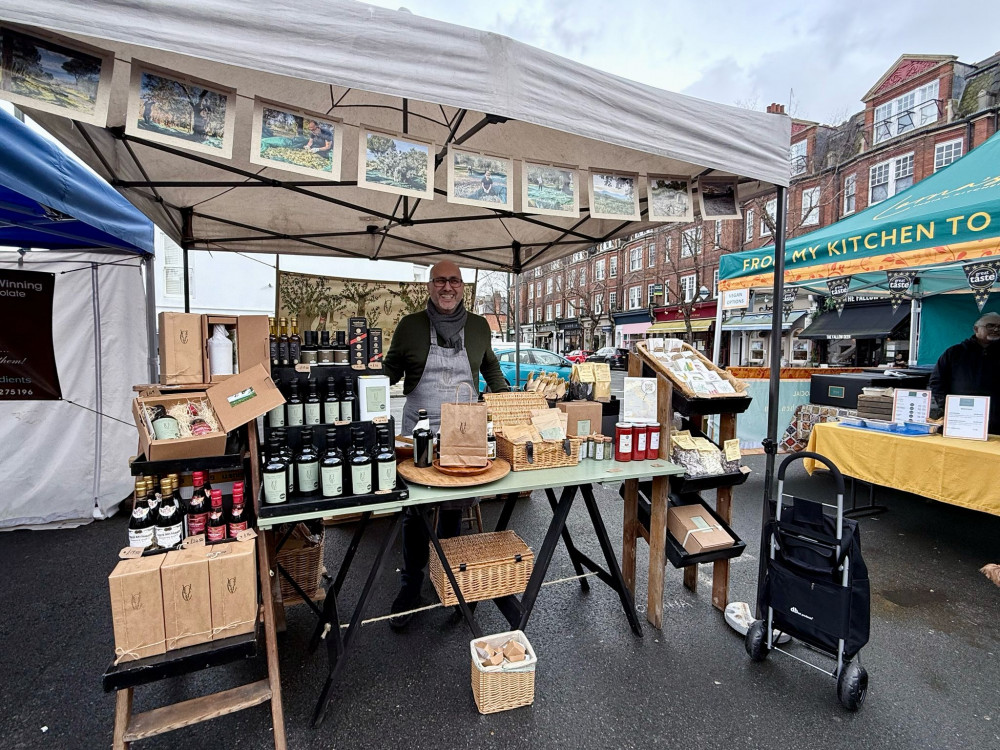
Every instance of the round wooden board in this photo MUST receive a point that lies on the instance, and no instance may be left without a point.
(463, 471)
(433, 478)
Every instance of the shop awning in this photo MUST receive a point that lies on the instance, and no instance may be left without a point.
(699, 325)
(861, 322)
(761, 322)
(633, 329)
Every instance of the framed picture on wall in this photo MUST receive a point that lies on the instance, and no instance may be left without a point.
(717, 196)
(55, 75)
(614, 195)
(550, 190)
(668, 198)
(395, 163)
(479, 179)
(296, 140)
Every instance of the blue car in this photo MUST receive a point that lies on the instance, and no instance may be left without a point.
(532, 360)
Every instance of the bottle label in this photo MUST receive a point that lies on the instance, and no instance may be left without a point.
(640, 441)
(290, 478)
(625, 443)
(276, 417)
(197, 523)
(274, 488)
(140, 537)
(346, 411)
(333, 481)
(654, 442)
(491, 448)
(169, 536)
(216, 533)
(295, 352)
(387, 475)
(294, 414)
(361, 479)
(235, 527)
(331, 412)
(312, 413)
(308, 476)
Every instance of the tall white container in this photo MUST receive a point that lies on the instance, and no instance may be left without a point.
(220, 352)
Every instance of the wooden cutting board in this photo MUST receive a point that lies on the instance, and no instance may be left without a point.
(431, 477)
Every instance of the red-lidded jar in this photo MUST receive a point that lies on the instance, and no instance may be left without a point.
(639, 441)
(623, 441)
(653, 440)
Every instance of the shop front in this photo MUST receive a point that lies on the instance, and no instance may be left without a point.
(670, 323)
(865, 334)
(544, 336)
(630, 327)
(750, 340)
(569, 335)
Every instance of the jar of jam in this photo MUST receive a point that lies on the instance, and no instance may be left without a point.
(639, 441)
(653, 440)
(199, 426)
(623, 441)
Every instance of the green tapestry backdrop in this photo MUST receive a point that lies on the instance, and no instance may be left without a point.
(326, 302)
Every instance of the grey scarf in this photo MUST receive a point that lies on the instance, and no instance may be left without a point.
(448, 326)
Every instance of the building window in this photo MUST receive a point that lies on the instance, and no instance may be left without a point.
(690, 242)
(583, 277)
(904, 113)
(558, 309)
(946, 153)
(635, 259)
(651, 256)
(634, 297)
(548, 285)
(850, 194)
(613, 300)
(531, 291)
(579, 256)
(173, 270)
(767, 220)
(538, 314)
(797, 157)
(599, 270)
(649, 293)
(548, 312)
(748, 236)
(538, 289)
(613, 266)
(687, 288)
(531, 315)
(570, 309)
(810, 207)
(559, 283)
(572, 278)
(718, 234)
(890, 177)
(715, 283)
(668, 245)
(538, 272)
(598, 304)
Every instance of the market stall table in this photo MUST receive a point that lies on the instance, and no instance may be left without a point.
(959, 472)
(573, 480)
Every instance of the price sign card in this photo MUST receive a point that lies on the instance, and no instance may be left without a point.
(910, 406)
(966, 417)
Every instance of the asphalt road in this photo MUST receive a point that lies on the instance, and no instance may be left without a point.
(932, 659)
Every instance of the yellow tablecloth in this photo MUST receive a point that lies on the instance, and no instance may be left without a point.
(960, 472)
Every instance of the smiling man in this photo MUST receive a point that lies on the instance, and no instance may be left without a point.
(433, 351)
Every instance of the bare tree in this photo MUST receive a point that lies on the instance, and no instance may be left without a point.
(689, 260)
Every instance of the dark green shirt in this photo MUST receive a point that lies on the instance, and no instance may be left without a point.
(411, 343)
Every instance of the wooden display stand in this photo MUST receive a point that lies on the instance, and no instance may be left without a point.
(656, 534)
(125, 677)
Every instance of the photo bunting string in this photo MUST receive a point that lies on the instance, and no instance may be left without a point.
(981, 278)
(838, 291)
(899, 285)
(787, 300)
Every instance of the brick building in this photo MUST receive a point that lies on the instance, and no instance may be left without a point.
(921, 115)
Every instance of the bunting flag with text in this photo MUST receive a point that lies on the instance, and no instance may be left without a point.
(838, 291)
(899, 285)
(981, 277)
(787, 300)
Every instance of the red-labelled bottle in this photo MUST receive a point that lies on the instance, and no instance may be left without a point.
(216, 529)
(198, 506)
(238, 515)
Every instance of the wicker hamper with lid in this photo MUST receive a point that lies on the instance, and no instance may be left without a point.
(486, 566)
(515, 408)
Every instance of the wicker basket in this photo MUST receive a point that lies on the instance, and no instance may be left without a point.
(498, 689)
(302, 559)
(516, 408)
(486, 566)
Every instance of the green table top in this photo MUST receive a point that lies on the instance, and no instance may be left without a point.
(586, 472)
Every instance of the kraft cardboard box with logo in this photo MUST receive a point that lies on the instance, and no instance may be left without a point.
(137, 608)
(695, 528)
(187, 601)
(583, 417)
(182, 347)
(232, 573)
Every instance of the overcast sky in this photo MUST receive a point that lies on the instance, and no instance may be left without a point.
(820, 55)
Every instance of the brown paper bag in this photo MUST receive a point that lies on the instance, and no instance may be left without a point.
(463, 432)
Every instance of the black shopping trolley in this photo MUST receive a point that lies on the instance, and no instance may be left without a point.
(815, 585)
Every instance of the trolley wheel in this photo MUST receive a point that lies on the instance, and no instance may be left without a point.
(755, 641)
(852, 686)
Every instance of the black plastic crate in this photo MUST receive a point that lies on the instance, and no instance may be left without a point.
(315, 502)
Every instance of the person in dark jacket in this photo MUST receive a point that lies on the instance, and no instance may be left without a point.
(971, 368)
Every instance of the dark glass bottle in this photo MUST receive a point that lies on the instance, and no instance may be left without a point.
(238, 516)
(272, 340)
(284, 354)
(331, 407)
(385, 459)
(331, 468)
(422, 440)
(215, 531)
(295, 410)
(275, 475)
(313, 408)
(491, 437)
(295, 343)
(141, 532)
(198, 507)
(169, 519)
(348, 404)
(361, 464)
(341, 352)
(289, 458)
(307, 464)
(276, 416)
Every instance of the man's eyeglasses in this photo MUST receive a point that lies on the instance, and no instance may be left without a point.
(440, 282)
(993, 327)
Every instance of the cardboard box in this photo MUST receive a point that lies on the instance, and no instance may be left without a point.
(374, 345)
(695, 529)
(583, 417)
(182, 349)
(187, 602)
(232, 573)
(137, 608)
(373, 396)
(236, 401)
(252, 342)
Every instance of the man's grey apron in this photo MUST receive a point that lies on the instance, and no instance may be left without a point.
(444, 371)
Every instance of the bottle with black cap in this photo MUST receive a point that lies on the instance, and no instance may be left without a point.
(361, 464)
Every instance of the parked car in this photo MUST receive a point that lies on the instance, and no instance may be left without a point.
(578, 355)
(532, 360)
(615, 357)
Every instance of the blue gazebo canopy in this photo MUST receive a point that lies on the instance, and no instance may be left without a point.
(50, 200)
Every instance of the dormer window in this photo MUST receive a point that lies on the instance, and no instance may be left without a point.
(797, 158)
(913, 109)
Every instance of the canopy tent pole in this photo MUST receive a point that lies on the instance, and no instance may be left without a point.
(95, 297)
(915, 310)
(516, 249)
(151, 341)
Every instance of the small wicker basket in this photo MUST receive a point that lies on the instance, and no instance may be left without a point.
(302, 559)
(515, 408)
(486, 566)
(504, 687)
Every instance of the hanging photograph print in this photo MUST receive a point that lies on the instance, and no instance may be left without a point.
(614, 195)
(838, 291)
(395, 163)
(476, 179)
(717, 196)
(27, 359)
(179, 111)
(981, 278)
(669, 198)
(550, 190)
(54, 75)
(899, 286)
(296, 140)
